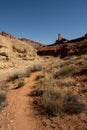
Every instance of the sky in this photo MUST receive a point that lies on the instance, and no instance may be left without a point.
(42, 20)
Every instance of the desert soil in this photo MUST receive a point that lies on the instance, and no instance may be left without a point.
(21, 115)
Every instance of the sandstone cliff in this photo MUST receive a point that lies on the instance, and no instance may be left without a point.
(73, 47)
(14, 52)
(34, 44)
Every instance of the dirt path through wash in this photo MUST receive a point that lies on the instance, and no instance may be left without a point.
(19, 114)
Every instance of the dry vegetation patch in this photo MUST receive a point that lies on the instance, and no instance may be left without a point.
(3, 94)
(54, 94)
(56, 101)
(65, 72)
(3, 101)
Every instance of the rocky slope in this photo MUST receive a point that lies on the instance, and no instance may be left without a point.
(65, 48)
(14, 52)
(7, 35)
(34, 44)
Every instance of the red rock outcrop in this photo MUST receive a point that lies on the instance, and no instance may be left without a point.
(73, 47)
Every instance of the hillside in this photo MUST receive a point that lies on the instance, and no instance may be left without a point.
(14, 52)
(34, 44)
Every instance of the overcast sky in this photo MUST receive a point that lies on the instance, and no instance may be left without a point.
(42, 20)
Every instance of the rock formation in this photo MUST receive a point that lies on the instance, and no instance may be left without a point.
(14, 52)
(6, 35)
(34, 44)
(60, 37)
(73, 47)
(60, 40)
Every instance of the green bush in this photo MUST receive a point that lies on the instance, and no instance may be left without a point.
(20, 84)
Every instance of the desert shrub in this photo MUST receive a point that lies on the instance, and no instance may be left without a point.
(37, 92)
(3, 85)
(68, 82)
(65, 72)
(13, 77)
(20, 84)
(36, 68)
(24, 72)
(52, 100)
(2, 101)
(55, 101)
(29, 70)
(72, 105)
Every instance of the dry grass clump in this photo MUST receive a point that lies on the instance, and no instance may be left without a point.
(32, 69)
(35, 68)
(65, 72)
(19, 74)
(3, 92)
(24, 72)
(53, 96)
(52, 100)
(68, 82)
(3, 86)
(3, 102)
(55, 101)
(37, 92)
(72, 105)
(13, 76)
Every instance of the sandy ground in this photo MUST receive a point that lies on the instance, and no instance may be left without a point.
(19, 114)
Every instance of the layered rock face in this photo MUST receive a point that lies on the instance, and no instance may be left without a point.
(73, 47)
(6, 35)
(14, 52)
(34, 44)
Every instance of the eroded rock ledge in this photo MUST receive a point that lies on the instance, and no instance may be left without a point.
(65, 47)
